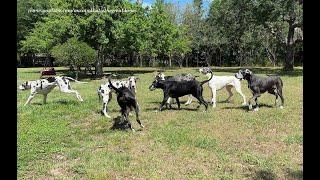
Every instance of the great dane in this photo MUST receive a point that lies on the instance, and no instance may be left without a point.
(45, 86)
(219, 82)
(258, 85)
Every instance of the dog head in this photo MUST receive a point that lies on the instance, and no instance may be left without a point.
(133, 83)
(26, 85)
(104, 92)
(155, 84)
(160, 75)
(243, 74)
(205, 70)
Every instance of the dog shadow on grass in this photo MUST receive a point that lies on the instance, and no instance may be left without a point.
(156, 109)
(264, 174)
(122, 124)
(269, 175)
(65, 102)
(246, 107)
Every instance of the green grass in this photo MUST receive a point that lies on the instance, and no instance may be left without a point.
(69, 139)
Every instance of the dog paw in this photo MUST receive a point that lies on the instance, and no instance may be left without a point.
(250, 107)
(256, 109)
(281, 107)
(133, 130)
(107, 116)
(244, 104)
(142, 125)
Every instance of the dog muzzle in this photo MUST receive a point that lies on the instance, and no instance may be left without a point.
(22, 88)
(238, 76)
(151, 88)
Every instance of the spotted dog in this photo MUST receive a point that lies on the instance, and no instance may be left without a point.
(45, 86)
(259, 85)
(219, 82)
(105, 92)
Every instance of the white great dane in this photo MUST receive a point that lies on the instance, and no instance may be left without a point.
(219, 82)
(105, 91)
(45, 86)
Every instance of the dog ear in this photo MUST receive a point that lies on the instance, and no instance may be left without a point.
(137, 78)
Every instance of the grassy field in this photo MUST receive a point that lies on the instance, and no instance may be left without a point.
(66, 138)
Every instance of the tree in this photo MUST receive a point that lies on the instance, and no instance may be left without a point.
(280, 19)
(75, 54)
(162, 31)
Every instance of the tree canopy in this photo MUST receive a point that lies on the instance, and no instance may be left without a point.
(229, 33)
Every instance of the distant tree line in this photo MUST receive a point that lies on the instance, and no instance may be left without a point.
(230, 33)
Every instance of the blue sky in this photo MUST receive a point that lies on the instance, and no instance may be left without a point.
(182, 2)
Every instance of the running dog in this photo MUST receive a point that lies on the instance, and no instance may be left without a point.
(45, 86)
(176, 89)
(177, 77)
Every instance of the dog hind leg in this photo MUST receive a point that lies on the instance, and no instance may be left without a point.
(228, 88)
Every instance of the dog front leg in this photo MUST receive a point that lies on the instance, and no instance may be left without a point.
(45, 98)
(178, 102)
(214, 95)
(105, 109)
(255, 97)
(165, 98)
(30, 98)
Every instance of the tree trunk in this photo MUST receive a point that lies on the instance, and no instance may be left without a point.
(271, 56)
(197, 60)
(99, 65)
(289, 59)
(153, 60)
(77, 72)
(140, 58)
(186, 58)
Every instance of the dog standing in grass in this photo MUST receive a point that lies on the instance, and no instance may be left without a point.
(219, 82)
(127, 102)
(258, 85)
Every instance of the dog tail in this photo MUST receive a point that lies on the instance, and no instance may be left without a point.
(74, 80)
(99, 96)
(98, 92)
(111, 86)
(201, 83)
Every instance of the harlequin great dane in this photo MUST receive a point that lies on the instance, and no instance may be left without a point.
(45, 86)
